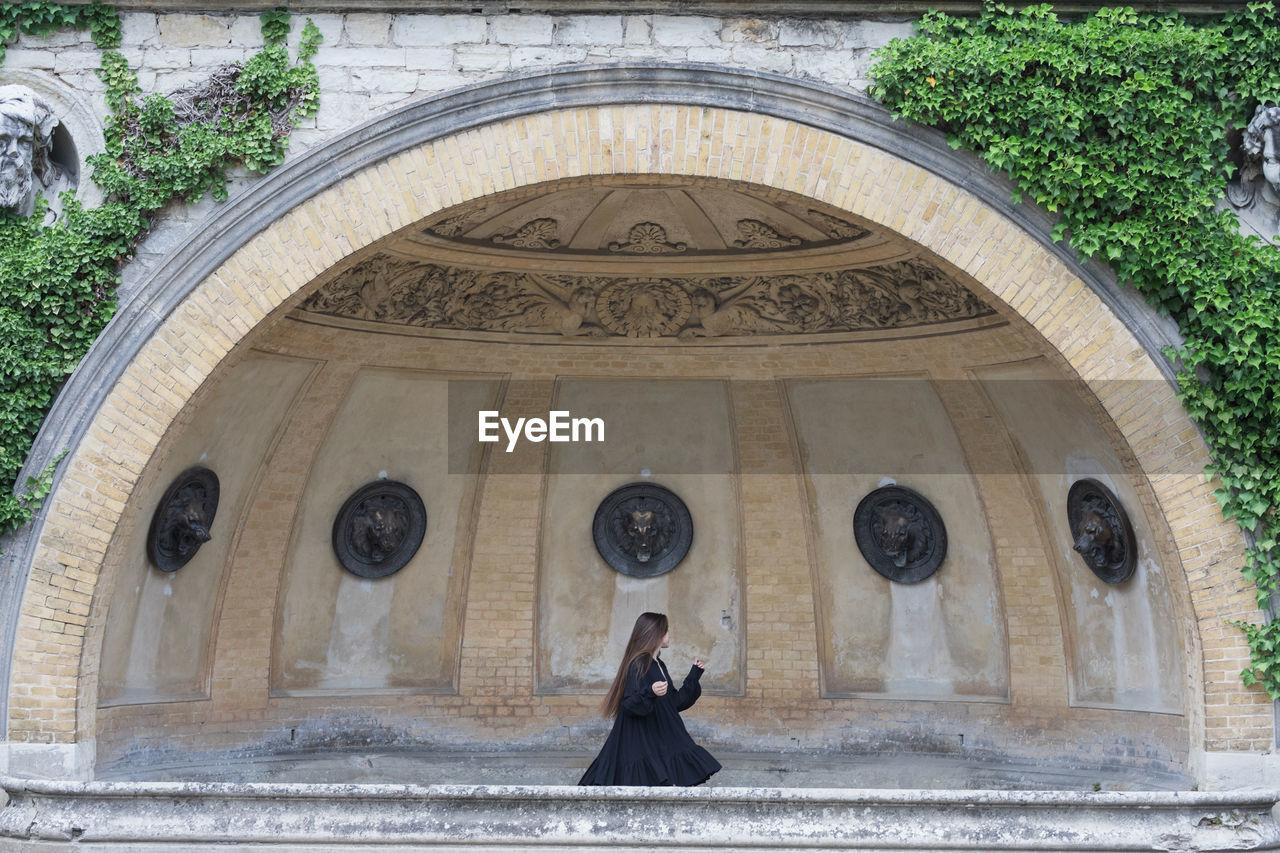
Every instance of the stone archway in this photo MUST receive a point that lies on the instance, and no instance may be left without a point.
(345, 196)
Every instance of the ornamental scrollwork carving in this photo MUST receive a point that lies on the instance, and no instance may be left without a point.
(898, 295)
(646, 308)
(648, 238)
(839, 229)
(642, 530)
(538, 234)
(182, 520)
(758, 235)
(1101, 532)
(900, 534)
(379, 528)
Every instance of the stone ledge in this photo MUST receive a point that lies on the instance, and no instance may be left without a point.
(188, 815)
(756, 8)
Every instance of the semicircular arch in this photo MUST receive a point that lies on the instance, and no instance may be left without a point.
(260, 251)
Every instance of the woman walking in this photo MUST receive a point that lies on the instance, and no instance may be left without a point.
(649, 744)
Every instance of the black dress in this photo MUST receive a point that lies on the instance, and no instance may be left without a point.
(649, 744)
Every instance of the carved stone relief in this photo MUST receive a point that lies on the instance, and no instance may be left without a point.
(839, 229)
(1255, 193)
(900, 534)
(610, 218)
(538, 234)
(182, 521)
(379, 529)
(30, 163)
(402, 292)
(642, 530)
(1100, 527)
(757, 235)
(647, 238)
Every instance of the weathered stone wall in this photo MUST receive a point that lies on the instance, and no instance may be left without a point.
(373, 62)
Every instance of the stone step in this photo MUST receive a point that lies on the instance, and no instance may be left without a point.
(184, 816)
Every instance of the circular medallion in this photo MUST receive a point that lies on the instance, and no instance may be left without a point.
(1101, 531)
(900, 534)
(181, 522)
(379, 529)
(643, 308)
(642, 530)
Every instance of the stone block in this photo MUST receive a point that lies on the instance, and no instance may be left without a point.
(369, 28)
(637, 30)
(333, 78)
(763, 58)
(876, 33)
(362, 57)
(483, 59)
(754, 30)
(589, 30)
(246, 30)
(57, 38)
(681, 31)
(428, 58)
(17, 57)
(166, 59)
(802, 33)
(432, 30)
(208, 59)
(711, 55)
(434, 82)
(521, 29)
(329, 25)
(67, 61)
(181, 30)
(546, 57)
(138, 28)
(383, 81)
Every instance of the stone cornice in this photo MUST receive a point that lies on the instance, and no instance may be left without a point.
(831, 9)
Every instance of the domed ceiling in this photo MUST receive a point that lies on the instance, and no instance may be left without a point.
(638, 259)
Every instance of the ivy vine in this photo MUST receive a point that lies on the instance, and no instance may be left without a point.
(58, 281)
(1118, 123)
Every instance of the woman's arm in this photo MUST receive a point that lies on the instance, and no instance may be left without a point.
(638, 698)
(690, 690)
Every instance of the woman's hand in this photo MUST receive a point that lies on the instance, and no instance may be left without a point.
(659, 688)
(698, 663)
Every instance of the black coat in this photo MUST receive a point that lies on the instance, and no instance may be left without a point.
(649, 744)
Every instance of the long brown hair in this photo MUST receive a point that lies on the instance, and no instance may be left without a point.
(646, 640)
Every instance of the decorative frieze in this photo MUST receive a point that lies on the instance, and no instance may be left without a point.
(410, 293)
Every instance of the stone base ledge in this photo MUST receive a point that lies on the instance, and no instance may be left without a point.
(60, 815)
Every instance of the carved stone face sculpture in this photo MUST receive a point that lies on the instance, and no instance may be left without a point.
(642, 530)
(1095, 542)
(1260, 149)
(1100, 531)
(379, 526)
(182, 520)
(27, 123)
(900, 534)
(379, 529)
(15, 161)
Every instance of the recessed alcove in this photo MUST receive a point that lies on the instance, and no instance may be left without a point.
(769, 359)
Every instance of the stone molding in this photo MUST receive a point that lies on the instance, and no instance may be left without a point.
(400, 292)
(757, 8)
(195, 815)
(143, 330)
